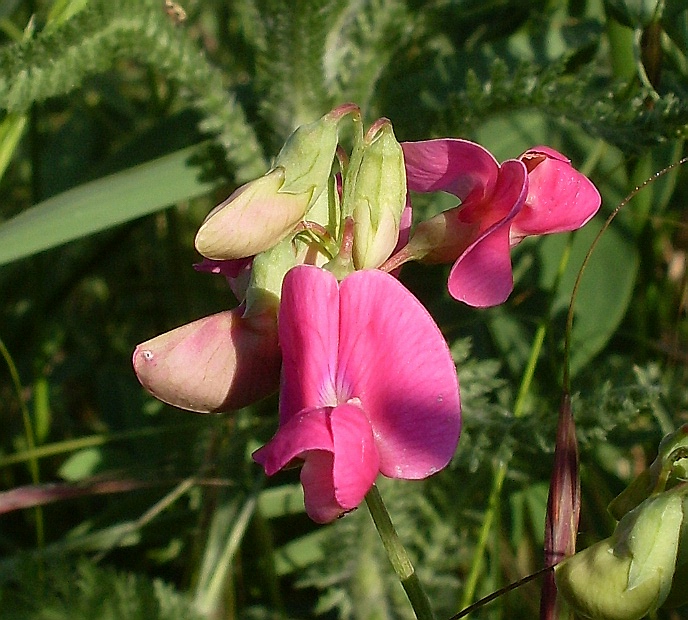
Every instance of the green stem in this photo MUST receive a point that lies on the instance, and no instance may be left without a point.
(72, 445)
(478, 556)
(398, 557)
(29, 435)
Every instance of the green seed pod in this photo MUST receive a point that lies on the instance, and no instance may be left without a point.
(628, 575)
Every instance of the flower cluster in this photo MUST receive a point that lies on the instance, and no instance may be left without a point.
(367, 383)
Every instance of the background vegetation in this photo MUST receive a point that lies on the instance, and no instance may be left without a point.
(123, 123)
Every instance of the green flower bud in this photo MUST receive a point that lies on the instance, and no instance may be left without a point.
(375, 196)
(261, 213)
(628, 575)
(308, 153)
(253, 219)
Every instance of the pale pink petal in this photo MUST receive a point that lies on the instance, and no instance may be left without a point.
(307, 430)
(253, 219)
(482, 275)
(451, 165)
(559, 197)
(219, 363)
(393, 358)
(308, 331)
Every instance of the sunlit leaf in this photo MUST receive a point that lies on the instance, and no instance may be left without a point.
(102, 204)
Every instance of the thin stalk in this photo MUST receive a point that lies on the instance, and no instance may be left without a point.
(398, 557)
(211, 594)
(35, 453)
(30, 438)
(493, 502)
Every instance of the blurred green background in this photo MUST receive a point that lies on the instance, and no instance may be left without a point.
(123, 123)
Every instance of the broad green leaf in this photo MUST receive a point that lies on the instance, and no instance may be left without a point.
(300, 552)
(605, 289)
(102, 204)
(286, 499)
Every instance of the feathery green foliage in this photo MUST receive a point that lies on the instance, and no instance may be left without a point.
(58, 60)
(83, 591)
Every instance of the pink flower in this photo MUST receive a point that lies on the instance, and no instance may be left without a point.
(368, 386)
(219, 363)
(475, 235)
(537, 194)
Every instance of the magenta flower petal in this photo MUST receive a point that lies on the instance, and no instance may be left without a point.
(308, 333)
(393, 358)
(482, 276)
(559, 197)
(456, 166)
(356, 459)
(307, 430)
(339, 454)
(364, 361)
(219, 363)
(336, 483)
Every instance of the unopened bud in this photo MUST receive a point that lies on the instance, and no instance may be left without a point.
(219, 363)
(261, 213)
(628, 575)
(377, 195)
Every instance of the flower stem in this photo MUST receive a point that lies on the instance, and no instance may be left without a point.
(397, 556)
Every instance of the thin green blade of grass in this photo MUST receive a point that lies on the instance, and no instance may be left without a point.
(101, 204)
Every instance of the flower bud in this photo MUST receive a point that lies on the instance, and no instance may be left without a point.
(262, 212)
(628, 575)
(377, 197)
(219, 363)
(253, 219)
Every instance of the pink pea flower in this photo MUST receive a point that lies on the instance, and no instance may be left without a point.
(222, 362)
(368, 386)
(537, 194)
(474, 235)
